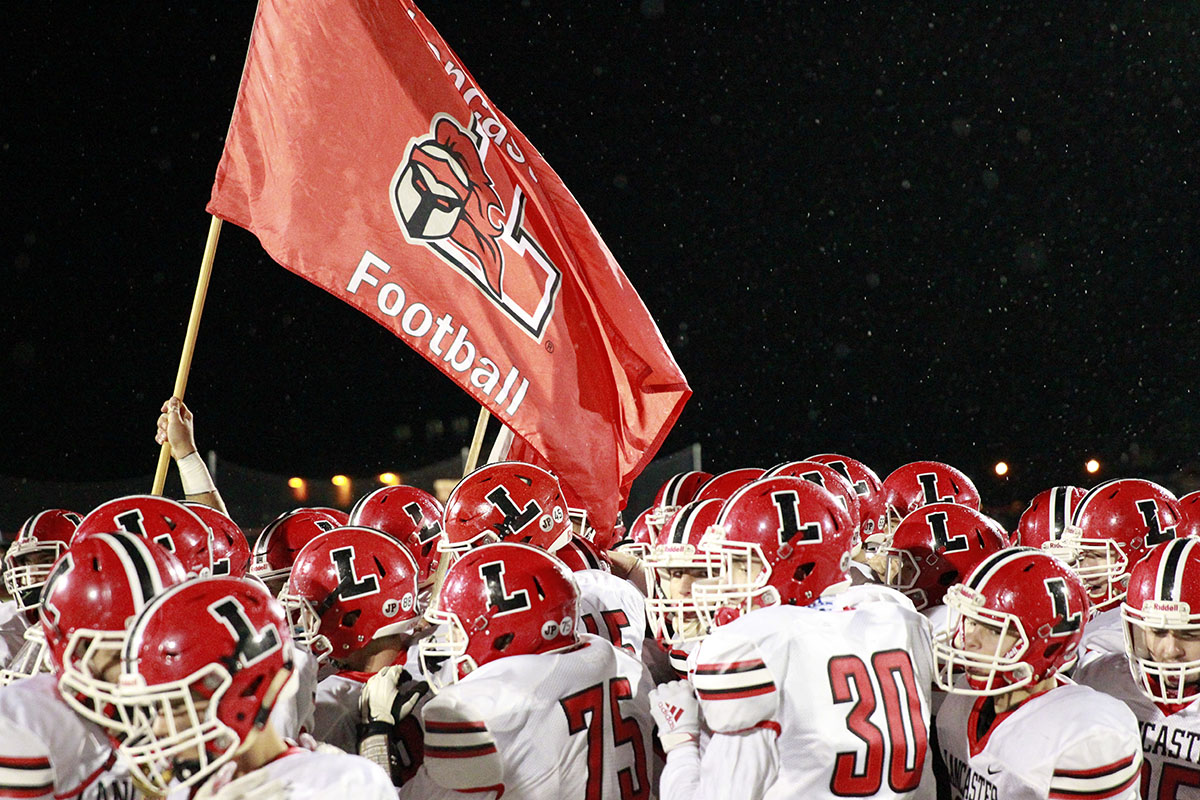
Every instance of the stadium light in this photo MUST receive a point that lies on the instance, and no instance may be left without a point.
(1092, 466)
(1001, 468)
(389, 479)
(299, 488)
(340, 480)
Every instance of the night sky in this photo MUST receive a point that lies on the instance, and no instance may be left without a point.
(893, 230)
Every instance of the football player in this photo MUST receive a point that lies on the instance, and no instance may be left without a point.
(1012, 727)
(55, 727)
(516, 502)
(203, 665)
(1112, 528)
(39, 542)
(532, 709)
(352, 600)
(1158, 675)
(814, 688)
(412, 517)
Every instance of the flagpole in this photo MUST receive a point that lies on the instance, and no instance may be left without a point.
(189, 342)
(468, 468)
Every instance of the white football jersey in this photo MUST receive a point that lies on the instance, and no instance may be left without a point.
(612, 608)
(1170, 735)
(322, 776)
(293, 711)
(1103, 634)
(1068, 742)
(12, 630)
(49, 751)
(813, 704)
(337, 716)
(571, 724)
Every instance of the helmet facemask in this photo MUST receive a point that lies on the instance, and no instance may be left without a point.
(306, 625)
(88, 654)
(1163, 681)
(741, 582)
(1100, 563)
(443, 654)
(32, 658)
(997, 672)
(672, 613)
(27, 567)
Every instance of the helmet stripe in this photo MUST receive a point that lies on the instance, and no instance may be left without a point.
(1092, 493)
(671, 495)
(749, 487)
(987, 568)
(680, 524)
(1060, 510)
(1170, 572)
(136, 560)
(133, 643)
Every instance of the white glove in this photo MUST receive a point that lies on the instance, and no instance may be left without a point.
(676, 712)
(256, 785)
(390, 695)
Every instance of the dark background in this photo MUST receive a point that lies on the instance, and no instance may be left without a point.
(905, 230)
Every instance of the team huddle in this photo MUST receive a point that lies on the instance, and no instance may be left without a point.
(805, 631)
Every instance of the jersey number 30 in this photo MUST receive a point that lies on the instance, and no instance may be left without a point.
(903, 741)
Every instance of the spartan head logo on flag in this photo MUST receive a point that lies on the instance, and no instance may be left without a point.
(445, 200)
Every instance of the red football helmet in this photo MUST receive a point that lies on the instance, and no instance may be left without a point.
(669, 605)
(679, 489)
(1048, 515)
(937, 546)
(230, 548)
(161, 520)
(1112, 528)
(923, 482)
(342, 518)
(1015, 621)
(722, 487)
(349, 587)
(1189, 510)
(501, 599)
(830, 480)
(95, 590)
(224, 640)
(1163, 604)
(872, 502)
(277, 545)
(507, 501)
(639, 536)
(40, 541)
(579, 554)
(409, 515)
(779, 540)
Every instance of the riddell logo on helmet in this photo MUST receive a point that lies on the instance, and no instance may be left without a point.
(445, 200)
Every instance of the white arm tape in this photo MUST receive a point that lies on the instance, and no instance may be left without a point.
(193, 474)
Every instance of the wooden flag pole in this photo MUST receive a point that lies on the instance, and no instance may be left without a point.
(468, 468)
(189, 342)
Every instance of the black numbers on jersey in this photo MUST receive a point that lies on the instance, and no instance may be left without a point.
(585, 712)
(350, 585)
(1068, 622)
(787, 505)
(1155, 532)
(515, 519)
(902, 745)
(941, 534)
(498, 596)
(252, 645)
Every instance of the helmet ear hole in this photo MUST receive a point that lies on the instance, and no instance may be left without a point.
(349, 619)
(949, 578)
(502, 642)
(540, 591)
(803, 571)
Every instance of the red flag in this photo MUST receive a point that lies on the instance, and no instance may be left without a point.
(366, 159)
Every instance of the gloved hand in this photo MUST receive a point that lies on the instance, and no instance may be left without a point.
(256, 785)
(676, 712)
(389, 696)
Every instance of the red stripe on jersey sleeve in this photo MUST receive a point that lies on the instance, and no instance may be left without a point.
(1095, 772)
(27, 791)
(731, 666)
(18, 762)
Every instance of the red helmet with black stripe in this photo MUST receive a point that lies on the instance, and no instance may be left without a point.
(1048, 515)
